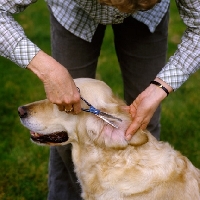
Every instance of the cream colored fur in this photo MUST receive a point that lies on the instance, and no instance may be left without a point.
(107, 166)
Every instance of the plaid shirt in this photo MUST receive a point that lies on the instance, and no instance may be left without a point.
(186, 59)
(82, 17)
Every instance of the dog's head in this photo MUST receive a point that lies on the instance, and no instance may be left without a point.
(50, 126)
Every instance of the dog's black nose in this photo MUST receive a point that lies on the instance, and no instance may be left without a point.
(22, 112)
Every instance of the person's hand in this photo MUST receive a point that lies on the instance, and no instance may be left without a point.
(144, 106)
(58, 84)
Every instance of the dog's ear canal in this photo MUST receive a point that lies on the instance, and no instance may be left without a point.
(139, 138)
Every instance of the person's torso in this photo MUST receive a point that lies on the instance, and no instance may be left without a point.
(81, 17)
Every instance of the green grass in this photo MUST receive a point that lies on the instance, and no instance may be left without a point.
(24, 166)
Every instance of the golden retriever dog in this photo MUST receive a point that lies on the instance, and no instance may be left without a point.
(108, 166)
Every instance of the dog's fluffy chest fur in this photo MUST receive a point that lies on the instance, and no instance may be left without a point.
(126, 174)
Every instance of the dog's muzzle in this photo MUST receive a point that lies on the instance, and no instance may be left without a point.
(52, 138)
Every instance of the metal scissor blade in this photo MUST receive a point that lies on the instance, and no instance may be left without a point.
(107, 121)
(100, 114)
(109, 116)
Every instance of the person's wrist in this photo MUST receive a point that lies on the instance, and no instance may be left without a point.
(159, 89)
(160, 86)
(44, 66)
(156, 93)
(38, 65)
(164, 84)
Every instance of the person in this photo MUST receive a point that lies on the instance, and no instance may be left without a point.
(77, 30)
(180, 66)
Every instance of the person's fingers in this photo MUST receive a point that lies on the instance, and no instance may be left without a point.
(132, 129)
(135, 125)
(125, 108)
(144, 126)
(76, 102)
(77, 108)
(70, 103)
(133, 109)
(69, 108)
(66, 108)
(61, 107)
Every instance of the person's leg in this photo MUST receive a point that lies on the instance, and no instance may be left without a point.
(63, 183)
(141, 55)
(80, 58)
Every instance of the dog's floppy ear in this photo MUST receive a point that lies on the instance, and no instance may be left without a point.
(139, 138)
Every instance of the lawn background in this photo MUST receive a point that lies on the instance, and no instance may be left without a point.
(23, 165)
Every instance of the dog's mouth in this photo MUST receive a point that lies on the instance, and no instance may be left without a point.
(56, 137)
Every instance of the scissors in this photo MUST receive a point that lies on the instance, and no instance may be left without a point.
(103, 115)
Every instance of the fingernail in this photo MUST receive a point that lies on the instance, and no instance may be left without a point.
(128, 137)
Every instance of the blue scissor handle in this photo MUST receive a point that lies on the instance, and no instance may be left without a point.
(94, 110)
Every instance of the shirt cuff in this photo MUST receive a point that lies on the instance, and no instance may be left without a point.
(24, 52)
(173, 76)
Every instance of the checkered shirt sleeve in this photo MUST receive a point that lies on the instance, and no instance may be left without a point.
(186, 59)
(14, 45)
